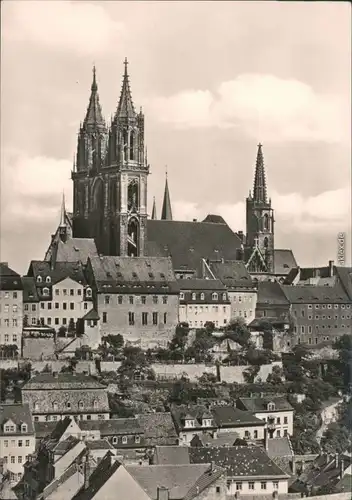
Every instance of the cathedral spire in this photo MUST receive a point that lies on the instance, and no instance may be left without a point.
(166, 213)
(259, 193)
(154, 217)
(63, 212)
(94, 115)
(125, 108)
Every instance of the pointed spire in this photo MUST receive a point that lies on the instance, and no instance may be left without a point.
(125, 108)
(63, 211)
(154, 217)
(259, 193)
(94, 114)
(166, 213)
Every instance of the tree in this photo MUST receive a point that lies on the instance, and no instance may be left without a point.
(343, 346)
(336, 439)
(202, 345)
(207, 379)
(25, 320)
(135, 362)
(180, 338)
(71, 326)
(237, 330)
(250, 373)
(266, 328)
(276, 376)
(115, 342)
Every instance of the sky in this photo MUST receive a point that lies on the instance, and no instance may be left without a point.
(214, 79)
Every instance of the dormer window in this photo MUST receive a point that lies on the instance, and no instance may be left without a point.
(68, 405)
(271, 406)
(24, 428)
(189, 422)
(202, 296)
(39, 279)
(224, 296)
(88, 292)
(48, 279)
(194, 296)
(80, 405)
(182, 296)
(55, 406)
(9, 427)
(214, 296)
(46, 291)
(36, 405)
(206, 422)
(95, 404)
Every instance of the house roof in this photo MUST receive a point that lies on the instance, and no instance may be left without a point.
(44, 429)
(215, 219)
(29, 290)
(189, 242)
(19, 414)
(91, 315)
(279, 447)
(284, 261)
(180, 480)
(171, 455)
(225, 439)
(9, 279)
(239, 461)
(200, 284)
(113, 426)
(302, 294)
(134, 275)
(271, 293)
(62, 381)
(232, 273)
(99, 444)
(260, 404)
(323, 471)
(74, 250)
(61, 270)
(158, 427)
(344, 275)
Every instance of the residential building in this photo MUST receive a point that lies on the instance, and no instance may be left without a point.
(11, 307)
(17, 438)
(52, 396)
(203, 301)
(199, 419)
(276, 411)
(31, 306)
(241, 289)
(154, 482)
(136, 297)
(321, 313)
(272, 302)
(63, 293)
(158, 429)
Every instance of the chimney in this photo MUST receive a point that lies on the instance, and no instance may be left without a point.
(162, 493)
(266, 440)
(342, 468)
(331, 268)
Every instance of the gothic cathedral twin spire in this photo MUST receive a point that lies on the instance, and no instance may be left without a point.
(110, 177)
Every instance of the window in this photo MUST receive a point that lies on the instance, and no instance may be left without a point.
(194, 296)
(202, 296)
(217, 489)
(275, 485)
(137, 439)
(155, 318)
(14, 295)
(309, 329)
(39, 279)
(271, 406)
(14, 308)
(107, 299)
(9, 428)
(214, 296)
(24, 428)
(14, 322)
(251, 485)
(285, 433)
(105, 317)
(263, 485)
(80, 405)
(20, 459)
(131, 299)
(238, 486)
(72, 306)
(57, 321)
(6, 308)
(72, 292)
(247, 434)
(68, 405)
(6, 443)
(165, 318)
(48, 279)
(119, 299)
(64, 306)
(88, 292)
(7, 336)
(182, 296)
(143, 299)
(114, 440)
(285, 420)
(255, 434)
(278, 420)
(95, 404)
(302, 329)
(131, 318)
(34, 307)
(20, 443)
(155, 299)
(49, 305)
(124, 439)
(278, 433)
(12, 459)
(79, 292)
(26, 308)
(144, 318)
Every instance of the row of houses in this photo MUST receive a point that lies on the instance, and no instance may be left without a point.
(142, 299)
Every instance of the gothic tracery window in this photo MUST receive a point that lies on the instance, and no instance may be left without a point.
(133, 238)
(266, 222)
(132, 196)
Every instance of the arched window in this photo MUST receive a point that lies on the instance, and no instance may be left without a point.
(224, 296)
(46, 291)
(266, 222)
(55, 405)
(132, 144)
(194, 296)
(88, 292)
(182, 296)
(133, 238)
(133, 195)
(48, 279)
(80, 405)
(202, 296)
(36, 405)
(214, 296)
(39, 279)
(271, 406)
(125, 144)
(95, 403)
(68, 405)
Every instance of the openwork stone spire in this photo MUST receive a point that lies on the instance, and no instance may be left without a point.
(94, 116)
(259, 192)
(125, 108)
(166, 213)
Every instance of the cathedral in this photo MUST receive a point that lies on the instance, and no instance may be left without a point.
(110, 179)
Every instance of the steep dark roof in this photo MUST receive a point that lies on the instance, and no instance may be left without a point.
(201, 284)
(19, 414)
(239, 461)
(62, 270)
(91, 315)
(75, 250)
(44, 429)
(225, 439)
(232, 273)
(9, 279)
(62, 381)
(147, 275)
(214, 219)
(60, 428)
(189, 242)
(345, 277)
(302, 294)
(113, 426)
(158, 427)
(94, 115)
(284, 261)
(260, 404)
(166, 211)
(29, 290)
(171, 455)
(99, 444)
(271, 293)
(279, 447)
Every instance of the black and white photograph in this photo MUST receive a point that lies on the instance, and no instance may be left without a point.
(175, 253)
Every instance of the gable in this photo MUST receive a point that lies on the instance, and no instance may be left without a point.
(68, 283)
(125, 484)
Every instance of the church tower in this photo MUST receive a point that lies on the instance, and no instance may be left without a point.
(115, 204)
(260, 222)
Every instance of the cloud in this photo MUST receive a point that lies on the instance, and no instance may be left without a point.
(82, 27)
(262, 106)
